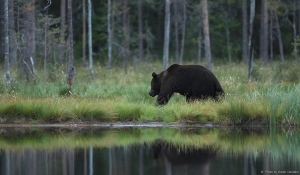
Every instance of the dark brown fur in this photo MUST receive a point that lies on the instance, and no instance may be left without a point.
(193, 81)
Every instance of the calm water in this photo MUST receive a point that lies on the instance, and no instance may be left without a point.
(149, 151)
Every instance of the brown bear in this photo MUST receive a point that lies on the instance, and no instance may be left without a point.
(193, 81)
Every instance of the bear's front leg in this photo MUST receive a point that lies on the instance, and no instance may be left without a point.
(163, 98)
(160, 101)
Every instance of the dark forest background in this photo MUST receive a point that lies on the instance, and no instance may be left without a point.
(38, 32)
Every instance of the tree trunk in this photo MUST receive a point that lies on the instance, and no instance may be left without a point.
(264, 33)
(176, 32)
(2, 39)
(83, 33)
(298, 17)
(140, 23)
(206, 34)
(54, 59)
(279, 37)
(45, 48)
(167, 35)
(228, 40)
(271, 36)
(71, 68)
(113, 6)
(110, 33)
(250, 49)
(62, 31)
(295, 33)
(28, 38)
(32, 45)
(7, 71)
(261, 33)
(245, 31)
(18, 43)
(12, 35)
(183, 31)
(200, 39)
(90, 38)
(126, 35)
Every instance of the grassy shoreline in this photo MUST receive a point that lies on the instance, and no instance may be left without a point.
(115, 96)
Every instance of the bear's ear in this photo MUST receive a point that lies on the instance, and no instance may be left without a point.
(154, 75)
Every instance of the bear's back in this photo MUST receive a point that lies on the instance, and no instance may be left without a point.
(187, 70)
(193, 76)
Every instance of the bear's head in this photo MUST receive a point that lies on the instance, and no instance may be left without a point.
(155, 84)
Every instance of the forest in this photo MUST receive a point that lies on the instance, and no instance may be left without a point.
(107, 50)
(136, 30)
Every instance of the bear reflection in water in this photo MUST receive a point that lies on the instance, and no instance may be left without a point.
(175, 158)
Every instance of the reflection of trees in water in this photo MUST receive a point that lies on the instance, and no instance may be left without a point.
(126, 160)
(249, 164)
(244, 150)
(143, 159)
(34, 162)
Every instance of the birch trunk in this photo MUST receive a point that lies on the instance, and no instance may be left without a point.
(264, 39)
(167, 35)
(245, 31)
(83, 33)
(228, 41)
(183, 31)
(176, 32)
(261, 29)
(7, 70)
(28, 39)
(271, 36)
(279, 37)
(12, 35)
(71, 68)
(250, 45)
(126, 35)
(295, 33)
(199, 40)
(206, 34)
(140, 24)
(90, 38)
(45, 48)
(109, 31)
(62, 31)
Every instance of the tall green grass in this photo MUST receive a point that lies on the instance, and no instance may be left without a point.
(113, 95)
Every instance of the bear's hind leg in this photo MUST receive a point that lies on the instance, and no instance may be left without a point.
(190, 99)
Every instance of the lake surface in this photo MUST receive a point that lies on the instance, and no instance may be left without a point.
(149, 151)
